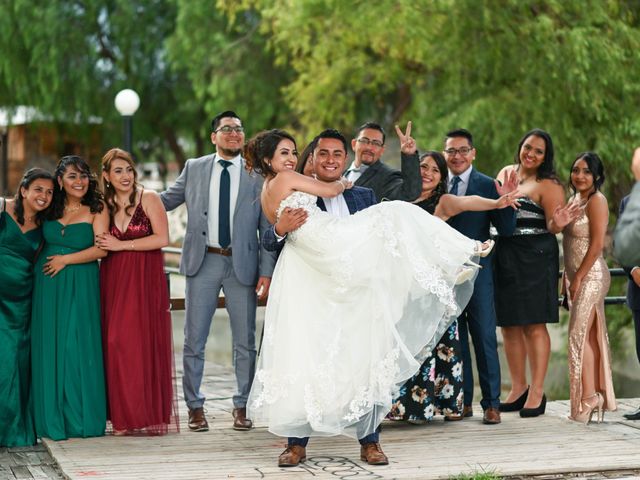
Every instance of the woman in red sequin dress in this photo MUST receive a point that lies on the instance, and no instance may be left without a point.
(136, 323)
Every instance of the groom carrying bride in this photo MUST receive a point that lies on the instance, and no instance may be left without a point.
(329, 160)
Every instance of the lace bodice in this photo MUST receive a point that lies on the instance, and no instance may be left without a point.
(299, 200)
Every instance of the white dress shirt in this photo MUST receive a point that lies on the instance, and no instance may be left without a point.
(464, 181)
(337, 206)
(214, 197)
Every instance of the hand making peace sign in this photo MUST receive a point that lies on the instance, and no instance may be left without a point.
(407, 143)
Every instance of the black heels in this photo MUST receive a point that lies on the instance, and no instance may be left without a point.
(516, 405)
(534, 412)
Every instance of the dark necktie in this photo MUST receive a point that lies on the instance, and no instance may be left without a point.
(454, 185)
(224, 224)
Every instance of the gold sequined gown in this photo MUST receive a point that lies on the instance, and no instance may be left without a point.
(589, 298)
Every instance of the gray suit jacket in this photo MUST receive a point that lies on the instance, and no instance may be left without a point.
(626, 247)
(390, 184)
(250, 260)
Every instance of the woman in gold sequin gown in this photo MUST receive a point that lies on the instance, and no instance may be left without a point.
(586, 284)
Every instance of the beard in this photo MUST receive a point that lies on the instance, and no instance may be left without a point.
(230, 152)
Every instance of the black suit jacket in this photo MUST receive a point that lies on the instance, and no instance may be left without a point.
(633, 291)
(390, 184)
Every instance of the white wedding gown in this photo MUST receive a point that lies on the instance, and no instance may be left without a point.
(355, 305)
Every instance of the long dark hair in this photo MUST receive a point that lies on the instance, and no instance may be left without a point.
(303, 159)
(431, 203)
(107, 188)
(546, 168)
(93, 197)
(261, 148)
(27, 179)
(596, 167)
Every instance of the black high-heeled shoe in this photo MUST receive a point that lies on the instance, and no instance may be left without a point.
(516, 405)
(534, 412)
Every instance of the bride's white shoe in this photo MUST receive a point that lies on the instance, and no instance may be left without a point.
(466, 273)
(484, 248)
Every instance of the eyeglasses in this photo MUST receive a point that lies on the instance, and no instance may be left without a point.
(227, 130)
(462, 151)
(366, 141)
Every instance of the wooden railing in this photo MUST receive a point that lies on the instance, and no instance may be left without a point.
(177, 303)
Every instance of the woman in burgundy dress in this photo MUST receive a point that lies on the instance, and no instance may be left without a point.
(136, 323)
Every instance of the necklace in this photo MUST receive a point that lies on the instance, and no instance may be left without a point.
(69, 209)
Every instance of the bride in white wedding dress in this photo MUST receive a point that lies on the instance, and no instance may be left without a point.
(355, 302)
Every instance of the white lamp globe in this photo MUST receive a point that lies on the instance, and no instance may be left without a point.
(127, 102)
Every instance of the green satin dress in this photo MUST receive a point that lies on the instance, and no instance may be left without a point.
(66, 349)
(17, 253)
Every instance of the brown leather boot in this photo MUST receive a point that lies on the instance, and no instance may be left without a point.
(372, 454)
(240, 420)
(197, 420)
(491, 416)
(292, 456)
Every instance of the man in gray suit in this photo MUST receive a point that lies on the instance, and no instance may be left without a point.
(221, 250)
(627, 235)
(367, 170)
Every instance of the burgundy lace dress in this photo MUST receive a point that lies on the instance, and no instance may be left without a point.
(137, 336)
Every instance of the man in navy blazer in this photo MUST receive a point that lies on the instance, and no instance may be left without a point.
(633, 302)
(479, 318)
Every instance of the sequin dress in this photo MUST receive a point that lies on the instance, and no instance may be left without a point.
(588, 300)
(137, 336)
(526, 271)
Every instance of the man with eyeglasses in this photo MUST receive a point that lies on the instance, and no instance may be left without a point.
(367, 170)
(479, 318)
(221, 250)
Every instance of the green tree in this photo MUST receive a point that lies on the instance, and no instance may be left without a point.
(70, 58)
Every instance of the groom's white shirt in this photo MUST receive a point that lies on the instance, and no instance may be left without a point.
(337, 206)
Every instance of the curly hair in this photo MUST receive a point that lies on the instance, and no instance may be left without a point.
(107, 188)
(260, 149)
(28, 178)
(93, 197)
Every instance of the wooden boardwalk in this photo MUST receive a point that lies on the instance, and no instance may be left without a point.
(550, 444)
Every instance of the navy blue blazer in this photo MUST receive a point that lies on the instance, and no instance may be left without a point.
(633, 291)
(357, 198)
(476, 224)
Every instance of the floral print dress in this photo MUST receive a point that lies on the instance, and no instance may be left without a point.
(437, 387)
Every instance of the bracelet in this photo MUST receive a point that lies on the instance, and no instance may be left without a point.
(132, 246)
(344, 187)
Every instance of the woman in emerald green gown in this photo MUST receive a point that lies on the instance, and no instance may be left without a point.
(20, 237)
(66, 348)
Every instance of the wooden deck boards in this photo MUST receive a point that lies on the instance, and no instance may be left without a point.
(550, 444)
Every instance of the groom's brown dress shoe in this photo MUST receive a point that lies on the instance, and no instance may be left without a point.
(372, 454)
(292, 456)
(240, 420)
(467, 411)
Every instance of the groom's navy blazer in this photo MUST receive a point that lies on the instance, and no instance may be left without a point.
(357, 198)
(479, 318)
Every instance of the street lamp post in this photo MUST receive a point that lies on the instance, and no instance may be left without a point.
(127, 102)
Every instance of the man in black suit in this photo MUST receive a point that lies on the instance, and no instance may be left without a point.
(633, 302)
(367, 170)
